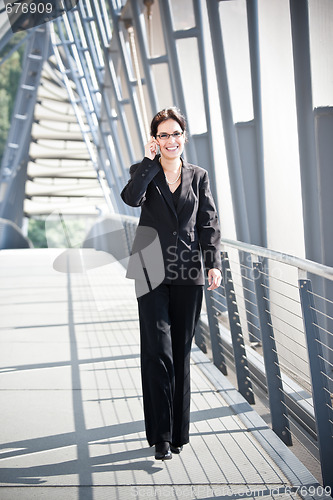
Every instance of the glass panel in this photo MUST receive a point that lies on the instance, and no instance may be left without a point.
(192, 85)
(182, 14)
(163, 86)
(236, 49)
(154, 28)
(321, 42)
(282, 174)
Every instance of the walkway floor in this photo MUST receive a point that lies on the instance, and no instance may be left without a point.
(71, 419)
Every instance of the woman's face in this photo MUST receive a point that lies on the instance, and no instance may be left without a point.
(170, 147)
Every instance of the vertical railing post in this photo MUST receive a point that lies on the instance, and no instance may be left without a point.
(254, 333)
(321, 396)
(241, 365)
(214, 329)
(280, 422)
(199, 337)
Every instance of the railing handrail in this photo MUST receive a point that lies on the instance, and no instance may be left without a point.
(256, 317)
(302, 264)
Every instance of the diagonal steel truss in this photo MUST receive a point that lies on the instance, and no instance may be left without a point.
(122, 60)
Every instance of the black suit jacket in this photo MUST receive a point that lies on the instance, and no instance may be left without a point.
(176, 238)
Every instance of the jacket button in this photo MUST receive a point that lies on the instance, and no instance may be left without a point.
(175, 233)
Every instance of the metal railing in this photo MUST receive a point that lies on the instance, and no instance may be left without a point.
(280, 315)
(279, 338)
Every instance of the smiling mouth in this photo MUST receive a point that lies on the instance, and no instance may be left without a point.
(173, 148)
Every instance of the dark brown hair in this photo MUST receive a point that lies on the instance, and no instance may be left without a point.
(167, 114)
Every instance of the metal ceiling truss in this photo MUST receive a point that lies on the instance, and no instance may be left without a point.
(96, 42)
(105, 48)
(14, 162)
(60, 171)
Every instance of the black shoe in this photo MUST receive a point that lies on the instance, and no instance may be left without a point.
(176, 449)
(162, 451)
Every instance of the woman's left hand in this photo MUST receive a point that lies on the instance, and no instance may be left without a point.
(214, 278)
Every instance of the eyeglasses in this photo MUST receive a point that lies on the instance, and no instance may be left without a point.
(164, 136)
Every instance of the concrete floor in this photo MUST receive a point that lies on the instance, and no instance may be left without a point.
(71, 419)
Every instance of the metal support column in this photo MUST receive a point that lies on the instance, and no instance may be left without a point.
(90, 82)
(278, 409)
(174, 68)
(306, 132)
(230, 136)
(118, 44)
(321, 397)
(217, 349)
(253, 30)
(145, 58)
(16, 155)
(242, 370)
(208, 150)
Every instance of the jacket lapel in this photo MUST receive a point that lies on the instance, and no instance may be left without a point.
(161, 184)
(187, 176)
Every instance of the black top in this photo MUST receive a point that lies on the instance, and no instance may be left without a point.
(176, 195)
(193, 226)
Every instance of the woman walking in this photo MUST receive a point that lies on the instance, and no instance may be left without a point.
(177, 205)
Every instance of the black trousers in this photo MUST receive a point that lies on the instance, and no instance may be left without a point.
(168, 317)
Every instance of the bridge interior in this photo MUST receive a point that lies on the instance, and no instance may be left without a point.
(254, 79)
(72, 419)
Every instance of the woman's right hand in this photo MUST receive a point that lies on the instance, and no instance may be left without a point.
(151, 148)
